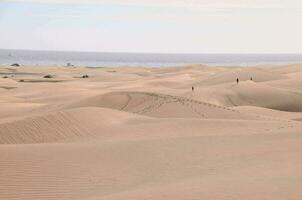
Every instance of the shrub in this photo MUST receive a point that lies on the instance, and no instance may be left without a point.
(48, 76)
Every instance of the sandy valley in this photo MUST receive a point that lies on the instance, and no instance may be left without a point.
(142, 133)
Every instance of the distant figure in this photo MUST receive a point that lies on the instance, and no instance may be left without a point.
(251, 78)
(237, 80)
(192, 88)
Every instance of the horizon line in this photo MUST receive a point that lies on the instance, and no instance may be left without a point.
(135, 52)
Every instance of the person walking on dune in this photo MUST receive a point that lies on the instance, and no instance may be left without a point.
(192, 88)
(237, 80)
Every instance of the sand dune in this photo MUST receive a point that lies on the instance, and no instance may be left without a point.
(231, 74)
(257, 94)
(91, 123)
(249, 93)
(142, 133)
(160, 105)
(174, 168)
(60, 126)
(269, 112)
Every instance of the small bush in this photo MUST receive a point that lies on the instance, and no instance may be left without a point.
(48, 76)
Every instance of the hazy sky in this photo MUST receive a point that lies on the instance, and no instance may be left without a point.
(175, 26)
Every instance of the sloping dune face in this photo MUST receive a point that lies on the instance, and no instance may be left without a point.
(257, 94)
(143, 133)
(270, 87)
(61, 126)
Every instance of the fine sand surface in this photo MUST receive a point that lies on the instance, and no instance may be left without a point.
(141, 133)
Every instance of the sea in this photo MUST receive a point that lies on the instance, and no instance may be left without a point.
(102, 59)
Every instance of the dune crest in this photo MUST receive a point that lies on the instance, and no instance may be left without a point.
(160, 105)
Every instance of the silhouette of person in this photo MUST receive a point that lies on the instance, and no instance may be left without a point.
(237, 80)
(251, 78)
(192, 88)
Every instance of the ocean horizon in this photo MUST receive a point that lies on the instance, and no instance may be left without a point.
(111, 59)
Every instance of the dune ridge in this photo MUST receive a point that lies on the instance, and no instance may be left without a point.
(160, 105)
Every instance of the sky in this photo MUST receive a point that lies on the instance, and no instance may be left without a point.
(157, 26)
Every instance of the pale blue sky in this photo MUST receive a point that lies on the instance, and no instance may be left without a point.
(230, 26)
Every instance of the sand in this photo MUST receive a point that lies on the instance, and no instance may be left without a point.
(141, 133)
